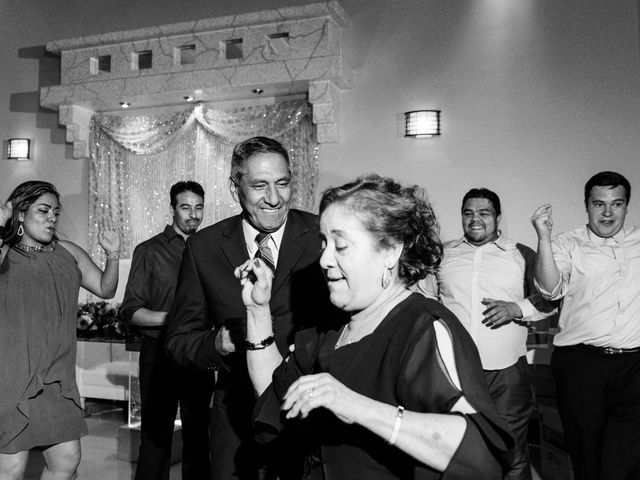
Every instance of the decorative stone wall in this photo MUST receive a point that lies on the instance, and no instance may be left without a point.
(296, 50)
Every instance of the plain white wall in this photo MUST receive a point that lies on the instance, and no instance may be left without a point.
(536, 97)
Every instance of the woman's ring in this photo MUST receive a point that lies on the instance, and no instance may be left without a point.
(310, 392)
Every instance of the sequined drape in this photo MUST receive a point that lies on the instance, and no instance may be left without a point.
(135, 159)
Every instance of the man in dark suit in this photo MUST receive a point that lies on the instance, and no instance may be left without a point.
(208, 318)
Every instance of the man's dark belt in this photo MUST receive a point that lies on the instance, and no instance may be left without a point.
(605, 350)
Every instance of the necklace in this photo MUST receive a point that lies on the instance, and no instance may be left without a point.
(36, 248)
(372, 320)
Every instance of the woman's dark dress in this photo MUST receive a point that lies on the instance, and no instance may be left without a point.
(398, 364)
(39, 399)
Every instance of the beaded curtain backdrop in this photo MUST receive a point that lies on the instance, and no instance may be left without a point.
(136, 158)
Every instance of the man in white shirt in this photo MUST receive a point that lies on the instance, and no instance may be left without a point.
(487, 281)
(595, 270)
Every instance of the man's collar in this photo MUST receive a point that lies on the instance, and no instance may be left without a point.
(250, 232)
(597, 240)
(501, 242)
(170, 232)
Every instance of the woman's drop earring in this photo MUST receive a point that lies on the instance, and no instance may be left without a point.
(386, 280)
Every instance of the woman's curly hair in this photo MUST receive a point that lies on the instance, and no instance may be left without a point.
(394, 214)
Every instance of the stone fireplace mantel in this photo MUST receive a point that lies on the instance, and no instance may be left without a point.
(274, 53)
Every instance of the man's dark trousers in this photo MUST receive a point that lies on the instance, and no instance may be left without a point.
(599, 405)
(164, 386)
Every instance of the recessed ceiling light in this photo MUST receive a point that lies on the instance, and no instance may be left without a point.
(125, 104)
(257, 91)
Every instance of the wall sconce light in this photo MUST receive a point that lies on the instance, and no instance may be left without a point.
(19, 149)
(422, 123)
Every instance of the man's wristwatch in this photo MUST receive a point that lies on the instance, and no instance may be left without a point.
(260, 345)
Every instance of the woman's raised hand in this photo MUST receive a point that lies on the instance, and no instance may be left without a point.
(109, 240)
(256, 279)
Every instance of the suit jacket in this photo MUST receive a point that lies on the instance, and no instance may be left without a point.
(208, 295)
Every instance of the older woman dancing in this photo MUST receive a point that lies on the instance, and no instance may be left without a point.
(40, 277)
(397, 392)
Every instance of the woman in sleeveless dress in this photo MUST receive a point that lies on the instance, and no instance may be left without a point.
(40, 277)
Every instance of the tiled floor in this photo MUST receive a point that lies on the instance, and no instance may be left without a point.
(100, 448)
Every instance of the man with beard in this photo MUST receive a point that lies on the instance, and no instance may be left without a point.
(164, 385)
(486, 279)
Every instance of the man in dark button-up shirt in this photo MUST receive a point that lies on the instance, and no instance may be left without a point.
(164, 385)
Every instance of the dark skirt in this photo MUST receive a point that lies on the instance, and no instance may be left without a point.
(53, 419)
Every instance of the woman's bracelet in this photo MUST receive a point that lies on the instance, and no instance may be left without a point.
(396, 425)
(115, 255)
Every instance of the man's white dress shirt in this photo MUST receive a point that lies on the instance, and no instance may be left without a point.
(274, 242)
(600, 287)
(500, 270)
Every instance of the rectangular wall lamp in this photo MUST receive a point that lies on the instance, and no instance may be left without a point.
(422, 123)
(19, 149)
